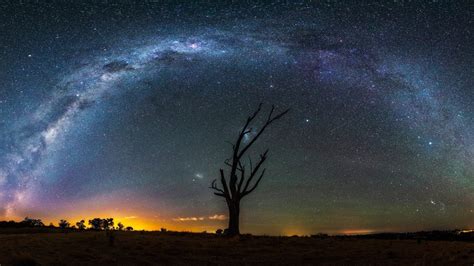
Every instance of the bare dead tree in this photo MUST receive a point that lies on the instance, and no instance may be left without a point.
(243, 178)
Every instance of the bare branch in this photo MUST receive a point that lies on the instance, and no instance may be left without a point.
(245, 193)
(214, 186)
(269, 121)
(224, 184)
(263, 157)
(279, 115)
(251, 165)
(242, 178)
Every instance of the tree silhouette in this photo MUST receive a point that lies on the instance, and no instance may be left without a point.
(64, 224)
(120, 226)
(108, 224)
(96, 224)
(129, 228)
(238, 183)
(81, 225)
(29, 222)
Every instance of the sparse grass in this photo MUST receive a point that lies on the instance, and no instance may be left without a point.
(155, 248)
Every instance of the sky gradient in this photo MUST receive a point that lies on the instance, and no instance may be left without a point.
(124, 111)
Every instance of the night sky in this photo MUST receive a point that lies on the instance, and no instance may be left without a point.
(124, 110)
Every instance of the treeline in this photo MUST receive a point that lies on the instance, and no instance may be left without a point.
(448, 235)
(94, 224)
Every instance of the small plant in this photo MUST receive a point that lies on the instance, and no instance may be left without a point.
(163, 230)
(219, 232)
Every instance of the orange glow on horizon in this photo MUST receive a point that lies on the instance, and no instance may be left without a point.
(357, 231)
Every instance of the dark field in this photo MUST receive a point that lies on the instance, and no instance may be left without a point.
(154, 248)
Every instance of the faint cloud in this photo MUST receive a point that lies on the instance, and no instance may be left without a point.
(188, 219)
(130, 217)
(219, 217)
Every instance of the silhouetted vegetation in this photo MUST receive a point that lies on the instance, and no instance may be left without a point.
(448, 235)
(81, 225)
(238, 183)
(27, 222)
(64, 224)
(102, 224)
(120, 226)
(95, 224)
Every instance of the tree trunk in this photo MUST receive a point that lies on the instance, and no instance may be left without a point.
(234, 214)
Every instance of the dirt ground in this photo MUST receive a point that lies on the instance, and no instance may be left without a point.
(150, 248)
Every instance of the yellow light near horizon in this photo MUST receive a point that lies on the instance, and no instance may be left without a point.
(293, 232)
(139, 222)
(357, 231)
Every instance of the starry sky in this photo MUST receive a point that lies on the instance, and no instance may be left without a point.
(123, 110)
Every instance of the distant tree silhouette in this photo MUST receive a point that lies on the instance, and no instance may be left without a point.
(102, 224)
(120, 226)
(25, 223)
(238, 183)
(63, 224)
(96, 224)
(129, 228)
(81, 225)
(29, 222)
(108, 224)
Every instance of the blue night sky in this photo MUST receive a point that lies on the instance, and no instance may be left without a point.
(124, 110)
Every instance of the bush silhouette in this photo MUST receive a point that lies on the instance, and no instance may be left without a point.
(120, 226)
(63, 224)
(81, 225)
(102, 224)
(28, 222)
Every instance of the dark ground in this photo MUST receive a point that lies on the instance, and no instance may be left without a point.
(154, 248)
